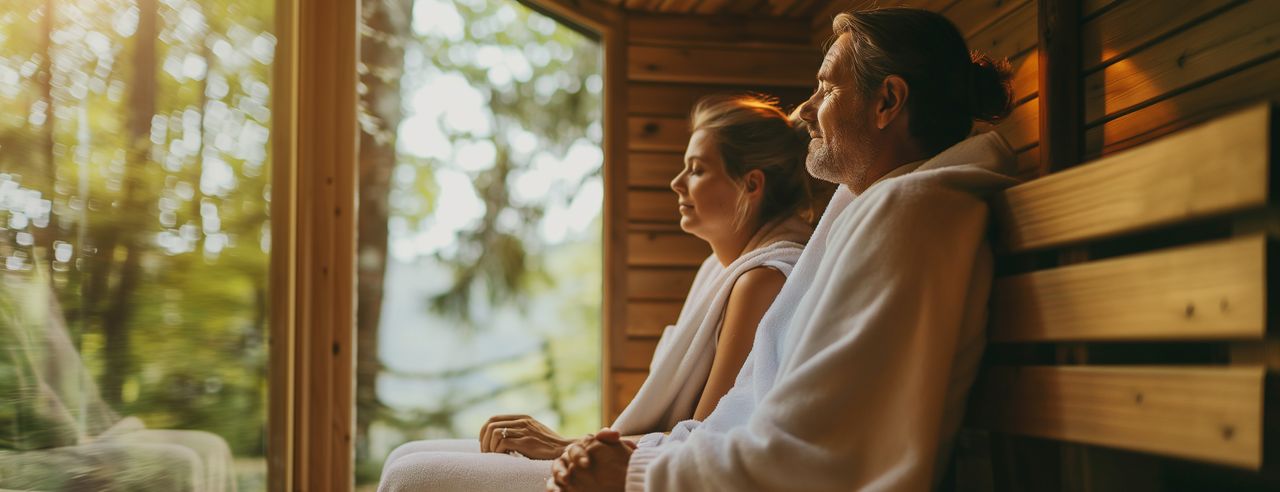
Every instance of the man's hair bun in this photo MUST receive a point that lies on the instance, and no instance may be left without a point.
(990, 94)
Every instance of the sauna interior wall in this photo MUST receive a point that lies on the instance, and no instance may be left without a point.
(671, 61)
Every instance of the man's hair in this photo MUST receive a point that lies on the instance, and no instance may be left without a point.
(752, 132)
(950, 86)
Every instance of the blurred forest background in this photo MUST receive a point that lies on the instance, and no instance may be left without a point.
(134, 182)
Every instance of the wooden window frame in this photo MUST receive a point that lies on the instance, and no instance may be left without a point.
(311, 416)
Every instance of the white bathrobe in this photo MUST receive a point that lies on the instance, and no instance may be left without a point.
(860, 369)
(677, 375)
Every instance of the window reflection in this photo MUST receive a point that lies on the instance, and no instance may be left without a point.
(134, 243)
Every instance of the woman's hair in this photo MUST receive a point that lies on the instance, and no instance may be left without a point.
(752, 132)
(950, 86)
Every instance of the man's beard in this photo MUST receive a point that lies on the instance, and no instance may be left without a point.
(846, 164)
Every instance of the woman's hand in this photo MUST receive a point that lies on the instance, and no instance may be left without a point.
(596, 463)
(523, 434)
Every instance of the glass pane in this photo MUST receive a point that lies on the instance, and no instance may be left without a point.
(480, 228)
(134, 241)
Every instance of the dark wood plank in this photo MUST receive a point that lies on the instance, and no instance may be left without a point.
(1207, 50)
(666, 249)
(654, 284)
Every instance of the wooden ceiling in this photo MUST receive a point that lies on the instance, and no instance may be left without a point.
(770, 8)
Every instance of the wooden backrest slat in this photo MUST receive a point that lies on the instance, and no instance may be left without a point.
(1217, 167)
(1202, 292)
(1211, 414)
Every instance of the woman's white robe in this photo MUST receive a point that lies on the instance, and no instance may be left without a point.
(859, 372)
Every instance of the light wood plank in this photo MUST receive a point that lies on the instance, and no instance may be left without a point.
(1205, 414)
(652, 205)
(1029, 164)
(1009, 36)
(1133, 23)
(757, 66)
(665, 249)
(626, 383)
(1211, 169)
(1242, 34)
(677, 100)
(653, 284)
(1206, 292)
(651, 318)
(657, 133)
(1260, 82)
(653, 169)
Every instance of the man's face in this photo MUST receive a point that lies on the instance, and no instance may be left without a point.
(840, 121)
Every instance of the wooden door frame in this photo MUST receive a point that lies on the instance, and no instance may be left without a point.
(311, 416)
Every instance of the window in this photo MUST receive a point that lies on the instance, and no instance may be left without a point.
(134, 243)
(479, 254)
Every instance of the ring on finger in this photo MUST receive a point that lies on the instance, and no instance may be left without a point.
(504, 432)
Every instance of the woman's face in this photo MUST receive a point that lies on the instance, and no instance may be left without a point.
(708, 196)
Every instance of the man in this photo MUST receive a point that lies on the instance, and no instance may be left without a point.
(859, 372)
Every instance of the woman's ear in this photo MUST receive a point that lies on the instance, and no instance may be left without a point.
(753, 183)
(893, 100)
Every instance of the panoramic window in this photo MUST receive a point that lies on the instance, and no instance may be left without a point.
(134, 240)
(480, 228)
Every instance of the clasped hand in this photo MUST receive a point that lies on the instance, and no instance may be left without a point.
(596, 463)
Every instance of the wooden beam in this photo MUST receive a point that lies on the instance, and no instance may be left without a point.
(1215, 168)
(1211, 414)
(1061, 91)
(693, 29)
(1214, 291)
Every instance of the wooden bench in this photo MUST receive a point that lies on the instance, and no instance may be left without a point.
(1131, 310)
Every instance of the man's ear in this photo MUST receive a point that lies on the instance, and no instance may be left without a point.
(892, 100)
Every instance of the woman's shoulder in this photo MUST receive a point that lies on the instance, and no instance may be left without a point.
(760, 284)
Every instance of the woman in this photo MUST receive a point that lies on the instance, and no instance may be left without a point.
(745, 191)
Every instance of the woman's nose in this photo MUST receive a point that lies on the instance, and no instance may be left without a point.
(677, 183)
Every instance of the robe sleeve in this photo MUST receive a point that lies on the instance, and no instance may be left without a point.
(859, 403)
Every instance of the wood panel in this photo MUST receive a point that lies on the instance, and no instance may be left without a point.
(686, 29)
(676, 100)
(665, 249)
(1011, 35)
(652, 205)
(653, 169)
(1261, 81)
(670, 134)
(972, 16)
(1135, 23)
(758, 66)
(670, 284)
(651, 318)
(1205, 292)
(625, 386)
(635, 353)
(1026, 76)
(1208, 414)
(1022, 127)
(1211, 169)
(1029, 164)
(1238, 36)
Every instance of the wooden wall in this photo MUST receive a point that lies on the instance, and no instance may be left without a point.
(671, 61)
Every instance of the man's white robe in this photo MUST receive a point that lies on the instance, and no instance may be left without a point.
(867, 387)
